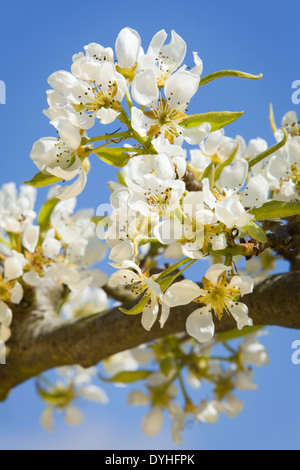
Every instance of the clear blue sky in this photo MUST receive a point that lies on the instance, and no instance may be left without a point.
(38, 38)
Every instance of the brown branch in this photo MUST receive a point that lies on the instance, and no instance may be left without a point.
(38, 344)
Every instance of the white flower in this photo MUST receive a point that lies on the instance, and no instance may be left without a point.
(96, 96)
(163, 59)
(232, 213)
(76, 384)
(165, 116)
(253, 352)
(94, 53)
(128, 48)
(140, 283)
(60, 158)
(85, 303)
(16, 210)
(155, 196)
(217, 295)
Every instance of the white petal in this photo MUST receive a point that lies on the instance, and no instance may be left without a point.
(245, 283)
(51, 247)
(128, 45)
(175, 50)
(31, 237)
(5, 314)
(168, 232)
(195, 135)
(17, 293)
(157, 42)
(256, 193)
(215, 271)
(234, 176)
(13, 266)
(181, 87)
(73, 416)
(94, 393)
(182, 293)
(62, 81)
(73, 190)
(47, 420)
(153, 422)
(137, 398)
(123, 251)
(198, 69)
(69, 134)
(123, 277)
(207, 413)
(239, 311)
(200, 325)
(32, 278)
(150, 313)
(165, 312)
(5, 333)
(144, 88)
(154, 287)
(138, 121)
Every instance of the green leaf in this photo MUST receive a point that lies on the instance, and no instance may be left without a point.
(166, 364)
(255, 232)
(127, 377)
(45, 213)
(235, 334)
(217, 119)
(113, 156)
(228, 73)
(228, 162)
(276, 210)
(270, 150)
(41, 179)
(137, 308)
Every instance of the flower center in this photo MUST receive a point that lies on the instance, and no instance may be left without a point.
(37, 261)
(5, 289)
(165, 119)
(218, 297)
(295, 177)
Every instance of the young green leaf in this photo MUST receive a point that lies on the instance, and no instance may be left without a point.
(42, 179)
(228, 73)
(137, 308)
(45, 213)
(113, 156)
(276, 210)
(217, 119)
(255, 232)
(127, 377)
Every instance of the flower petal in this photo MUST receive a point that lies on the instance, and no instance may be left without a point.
(200, 325)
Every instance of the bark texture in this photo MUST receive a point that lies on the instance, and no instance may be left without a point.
(41, 342)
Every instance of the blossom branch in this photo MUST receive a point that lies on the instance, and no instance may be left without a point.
(37, 344)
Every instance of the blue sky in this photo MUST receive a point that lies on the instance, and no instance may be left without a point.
(38, 38)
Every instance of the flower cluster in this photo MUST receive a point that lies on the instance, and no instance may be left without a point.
(166, 201)
(59, 248)
(183, 370)
(186, 193)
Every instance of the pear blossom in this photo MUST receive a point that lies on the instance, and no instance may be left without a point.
(155, 195)
(218, 295)
(94, 53)
(167, 113)
(61, 158)
(16, 208)
(85, 303)
(140, 284)
(61, 396)
(128, 48)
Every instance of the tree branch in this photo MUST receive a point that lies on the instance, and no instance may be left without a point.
(40, 342)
